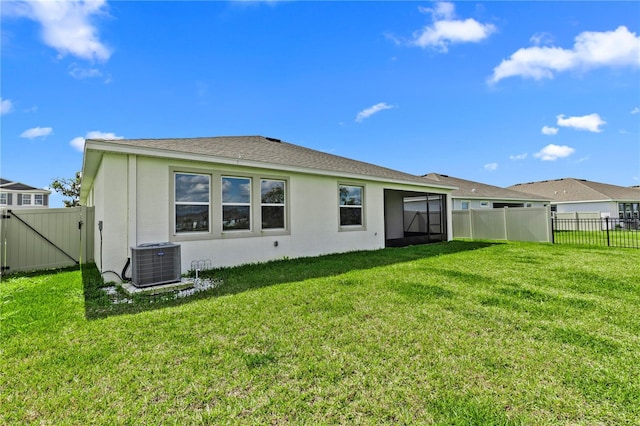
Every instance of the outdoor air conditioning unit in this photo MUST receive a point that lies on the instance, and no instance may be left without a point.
(155, 264)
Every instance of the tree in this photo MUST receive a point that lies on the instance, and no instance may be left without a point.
(68, 188)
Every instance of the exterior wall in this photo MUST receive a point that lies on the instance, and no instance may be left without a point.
(394, 211)
(110, 190)
(606, 208)
(133, 197)
(16, 205)
(477, 204)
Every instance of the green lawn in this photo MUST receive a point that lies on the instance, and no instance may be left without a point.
(614, 238)
(452, 333)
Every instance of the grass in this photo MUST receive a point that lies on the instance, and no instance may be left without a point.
(453, 333)
(623, 238)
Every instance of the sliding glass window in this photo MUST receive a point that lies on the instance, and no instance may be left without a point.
(236, 203)
(192, 205)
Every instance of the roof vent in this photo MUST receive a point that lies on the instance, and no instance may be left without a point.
(273, 139)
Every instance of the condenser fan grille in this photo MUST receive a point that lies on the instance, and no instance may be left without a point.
(155, 264)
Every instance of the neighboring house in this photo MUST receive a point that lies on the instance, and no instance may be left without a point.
(476, 195)
(16, 195)
(580, 195)
(235, 200)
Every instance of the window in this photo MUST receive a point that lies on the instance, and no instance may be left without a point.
(626, 210)
(191, 202)
(272, 199)
(529, 205)
(4, 200)
(236, 204)
(484, 204)
(38, 200)
(465, 205)
(26, 199)
(351, 205)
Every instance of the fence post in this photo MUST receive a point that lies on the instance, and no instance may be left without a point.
(553, 236)
(606, 220)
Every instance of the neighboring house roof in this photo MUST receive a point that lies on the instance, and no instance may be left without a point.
(8, 185)
(578, 190)
(253, 151)
(469, 189)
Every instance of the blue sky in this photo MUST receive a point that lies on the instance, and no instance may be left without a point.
(497, 92)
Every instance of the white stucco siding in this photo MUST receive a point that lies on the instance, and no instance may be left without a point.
(477, 204)
(394, 214)
(312, 211)
(110, 201)
(595, 206)
(153, 200)
(133, 197)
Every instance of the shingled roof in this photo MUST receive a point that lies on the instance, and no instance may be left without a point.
(470, 189)
(257, 150)
(9, 185)
(571, 189)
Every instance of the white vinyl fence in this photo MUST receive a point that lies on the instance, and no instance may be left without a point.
(512, 224)
(38, 239)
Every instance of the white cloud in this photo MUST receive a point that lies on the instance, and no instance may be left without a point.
(591, 50)
(518, 156)
(78, 142)
(6, 106)
(36, 132)
(442, 10)
(546, 130)
(553, 152)
(366, 113)
(80, 73)
(591, 122)
(541, 38)
(446, 30)
(67, 25)
(491, 167)
(635, 110)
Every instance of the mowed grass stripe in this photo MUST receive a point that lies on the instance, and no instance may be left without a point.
(455, 333)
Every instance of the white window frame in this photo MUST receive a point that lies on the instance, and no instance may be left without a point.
(38, 200)
(4, 199)
(484, 204)
(25, 199)
(361, 206)
(464, 205)
(224, 204)
(282, 205)
(177, 203)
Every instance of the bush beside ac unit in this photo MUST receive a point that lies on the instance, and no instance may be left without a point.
(155, 264)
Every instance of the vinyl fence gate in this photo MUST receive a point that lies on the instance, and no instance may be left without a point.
(39, 239)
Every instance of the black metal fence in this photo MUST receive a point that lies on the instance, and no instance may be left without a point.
(600, 232)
